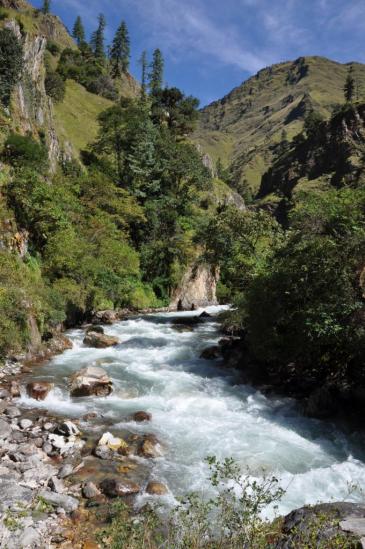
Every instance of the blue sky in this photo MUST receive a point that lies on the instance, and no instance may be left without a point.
(211, 46)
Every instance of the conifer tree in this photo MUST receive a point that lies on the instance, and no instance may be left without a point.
(46, 6)
(98, 38)
(144, 67)
(120, 51)
(156, 74)
(349, 88)
(79, 32)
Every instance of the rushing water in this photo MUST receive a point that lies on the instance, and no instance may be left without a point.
(200, 409)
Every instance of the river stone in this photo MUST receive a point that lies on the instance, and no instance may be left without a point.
(13, 412)
(5, 429)
(140, 417)
(39, 390)
(67, 429)
(4, 393)
(90, 491)
(12, 493)
(25, 423)
(156, 489)
(114, 488)
(68, 503)
(112, 442)
(15, 389)
(95, 329)
(91, 380)
(211, 353)
(354, 525)
(150, 447)
(100, 341)
(56, 485)
(66, 470)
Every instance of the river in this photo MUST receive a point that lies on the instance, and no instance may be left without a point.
(199, 409)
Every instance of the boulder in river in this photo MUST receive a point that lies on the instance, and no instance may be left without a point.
(150, 447)
(211, 353)
(112, 442)
(100, 341)
(105, 317)
(156, 489)
(97, 329)
(39, 390)
(89, 381)
(115, 488)
(140, 417)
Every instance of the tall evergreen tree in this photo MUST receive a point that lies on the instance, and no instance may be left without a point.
(156, 74)
(79, 32)
(120, 51)
(144, 68)
(349, 88)
(46, 6)
(98, 38)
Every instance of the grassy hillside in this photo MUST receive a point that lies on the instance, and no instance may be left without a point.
(76, 117)
(242, 127)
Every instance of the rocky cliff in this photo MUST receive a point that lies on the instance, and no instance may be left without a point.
(197, 289)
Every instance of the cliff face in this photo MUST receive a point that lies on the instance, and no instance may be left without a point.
(197, 289)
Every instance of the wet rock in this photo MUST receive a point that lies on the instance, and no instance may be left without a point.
(14, 389)
(89, 416)
(150, 447)
(47, 448)
(105, 317)
(211, 353)
(39, 390)
(91, 380)
(5, 429)
(140, 417)
(103, 452)
(66, 470)
(95, 329)
(56, 485)
(67, 429)
(12, 412)
(90, 491)
(100, 341)
(59, 344)
(4, 393)
(68, 503)
(205, 315)
(156, 489)
(114, 488)
(112, 442)
(25, 423)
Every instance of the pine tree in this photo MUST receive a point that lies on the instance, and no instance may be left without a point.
(156, 74)
(46, 6)
(79, 32)
(98, 38)
(349, 88)
(120, 51)
(144, 66)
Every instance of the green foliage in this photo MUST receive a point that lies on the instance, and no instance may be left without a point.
(23, 150)
(98, 39)
(11, 63)
(349, 87)
(55, 86)
(120, 51)
(229, 519)
(53, 47)
(46, 7)
(171, 108)
(156, 75)
(144, 68)
(78, 32)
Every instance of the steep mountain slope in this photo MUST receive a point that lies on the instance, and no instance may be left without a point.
(242, 127)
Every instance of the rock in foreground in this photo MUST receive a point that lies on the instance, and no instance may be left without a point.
(39, 390)
(89, 381)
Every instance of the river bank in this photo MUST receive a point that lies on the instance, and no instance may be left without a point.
(194, 408)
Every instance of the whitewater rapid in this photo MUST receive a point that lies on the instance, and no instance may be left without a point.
(200, 409)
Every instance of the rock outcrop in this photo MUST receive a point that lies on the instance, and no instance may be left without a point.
(197, 289)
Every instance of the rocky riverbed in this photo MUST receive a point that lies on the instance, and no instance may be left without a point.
(59, 472)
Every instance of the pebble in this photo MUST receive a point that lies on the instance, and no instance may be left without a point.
(25, 423)
(12, 412)
(65, 471)
(90, 491)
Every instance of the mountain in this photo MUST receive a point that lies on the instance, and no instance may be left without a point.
(243, 128)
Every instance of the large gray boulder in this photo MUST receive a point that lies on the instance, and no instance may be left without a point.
(100, 341)
(90, 381)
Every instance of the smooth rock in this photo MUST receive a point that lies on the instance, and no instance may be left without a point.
(4, 393)
(67, 429)
(25, 423)
(100, 341)
(211, 353)
(112, 442)
(95, 329)
(91, 380)
(39, 390)
(140, 417)
(14, 389)
(56, 485)
(118, 488)
(150, 447)
(205, 315)
(354, 525)
(5, 429)
(12, 412)
(105, 317)
(156, 489)
(30, 537)
(90, 491)
(66, 470)
(68, 503)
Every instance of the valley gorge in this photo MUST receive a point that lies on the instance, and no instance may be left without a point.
(182, 311)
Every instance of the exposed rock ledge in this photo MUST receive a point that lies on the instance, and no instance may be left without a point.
(198, 288)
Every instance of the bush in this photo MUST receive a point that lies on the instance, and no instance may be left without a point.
(11, 63)
(53, 48)
(55, 86)
(23, 150)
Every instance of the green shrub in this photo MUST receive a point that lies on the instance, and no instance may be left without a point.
(53, 48)
(55, 86)
(23, 150)
(11, 63)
